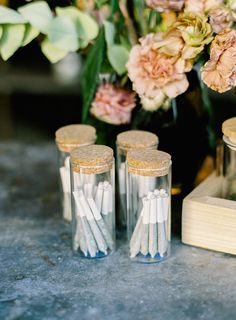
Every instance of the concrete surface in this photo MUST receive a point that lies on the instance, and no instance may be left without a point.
(40, 277)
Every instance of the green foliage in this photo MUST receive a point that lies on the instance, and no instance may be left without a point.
(118, 57)
(38, 14)
(11, 40)
(67, 31)
(90, 73)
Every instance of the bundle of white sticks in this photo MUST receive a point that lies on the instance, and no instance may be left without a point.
(94, 219)
(65, 181)
(150, 235)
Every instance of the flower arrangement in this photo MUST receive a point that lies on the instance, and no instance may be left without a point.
(132, 50)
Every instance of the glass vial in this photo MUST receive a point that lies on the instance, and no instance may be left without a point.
(229, 160)
(68, 138)
(148, 205)
(129, 140)
(93, 204)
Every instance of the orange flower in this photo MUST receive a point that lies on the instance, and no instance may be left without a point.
(219, 73)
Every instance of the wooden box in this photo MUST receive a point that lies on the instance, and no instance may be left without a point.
(209, 221)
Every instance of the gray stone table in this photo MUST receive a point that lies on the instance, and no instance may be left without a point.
(40, 277)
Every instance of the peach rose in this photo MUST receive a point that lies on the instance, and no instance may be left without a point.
(156, 74)
(113, 104)
(219, 73)
(165, 5)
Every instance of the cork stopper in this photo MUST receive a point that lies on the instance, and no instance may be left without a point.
(229, 129)
(92, 159)
(148, 162)
(75, 135)
(137, 139)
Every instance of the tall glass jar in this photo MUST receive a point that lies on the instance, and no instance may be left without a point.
(148, 205)
(229, 161)
(129, 140)
(68, 138)
(93, 203)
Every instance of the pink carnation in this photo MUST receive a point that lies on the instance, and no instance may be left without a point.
(219, 73)
(112, 104)
(165, 5)
(154, 73)
(220, 18)
(201, 6)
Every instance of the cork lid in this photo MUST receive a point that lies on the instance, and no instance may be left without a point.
(74, 135)
(229, 129)
(137, 139)
(92, 159)
(148, 162)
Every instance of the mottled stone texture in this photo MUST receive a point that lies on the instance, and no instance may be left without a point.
(40, 277)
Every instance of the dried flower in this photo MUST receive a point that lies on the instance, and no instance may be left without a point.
(201, 6)
(220, 18)
(219, 73)
(156, 74)
(196, 32)
(112, 104)
(165, 5)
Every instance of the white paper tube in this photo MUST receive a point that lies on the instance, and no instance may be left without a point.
(137, 228)
(101, 224)
(122, 178)
(90, 241)
(77, 181)
(99, 196)
(65, 179)
(162, 240)
(135, 247)
(93, 225)
(160, 218)
(153, 247)
(67, 206)
(79, 238)
(145, 229)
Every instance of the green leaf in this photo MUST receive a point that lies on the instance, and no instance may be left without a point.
(118, 57)
(10, 16)
(90, 73)
(11, 40)
(109, 32)
(38, 14)
(62, 34)
(52, 53)
(87, 27)
(30, 34)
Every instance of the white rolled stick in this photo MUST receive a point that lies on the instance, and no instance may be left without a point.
(99, 196)
(90, 240)
(100, 222)
(101, 243)
(107, 206)
(165, 207)
(153, 245)
(135, 241)
(122, 178)
(162, 241)
(145, 229)
(65, 180)
(81, 230)
(122, 193)
(67, 215)
(79, 240)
